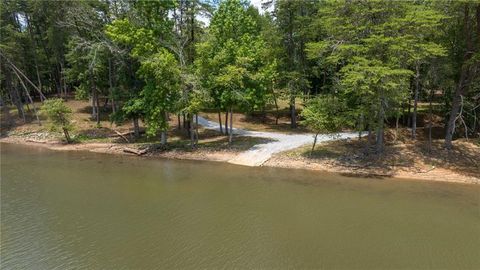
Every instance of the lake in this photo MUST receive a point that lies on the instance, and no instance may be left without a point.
(80, 210)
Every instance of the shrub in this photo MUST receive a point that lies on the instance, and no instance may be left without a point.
(59, 115)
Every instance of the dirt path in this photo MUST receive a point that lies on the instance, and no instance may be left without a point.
(260, 153)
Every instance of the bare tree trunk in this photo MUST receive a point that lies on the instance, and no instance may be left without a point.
(28, 95)
(110, 83)
(455, 108)
(192, 131)
(277, 114)
(370, 135)
(189, 124)
(42, 96)
(219, 121)
(314, 143)
(94, 108)
(27, 17)
(464, 74)
(163, 137)
(196, 129)
(396, 128)
(94, 92)
(136, 128)
(179, 121)
(360, 127)
(409, 110)
(65, 93)
(231, 126)
(430, 120)
(415, 101)
(16, 98)
(163, 134)
(67, 135)
(381, 119)
(293, 112)
(98, 107)
(226, 122)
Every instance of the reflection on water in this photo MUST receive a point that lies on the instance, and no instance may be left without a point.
(71, 210)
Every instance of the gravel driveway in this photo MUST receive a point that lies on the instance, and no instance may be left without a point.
(260, 153)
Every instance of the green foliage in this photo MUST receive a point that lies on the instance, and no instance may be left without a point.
(162, 77)
(59, 115)
(57, 112)
(372, 75)
(152, 58)
(231, 60)
(326, 114)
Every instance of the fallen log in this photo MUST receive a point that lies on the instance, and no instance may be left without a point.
(121, 135)
(135, 151)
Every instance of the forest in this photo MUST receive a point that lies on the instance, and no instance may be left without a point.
(361, 65)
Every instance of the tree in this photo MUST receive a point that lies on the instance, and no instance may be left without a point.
(360, 46)
(148, 38)
(466, 55)
(325, 114)
(292, 19)
(415, 44)
(134, 110)
(59, 115)
(230, 61)
(162, 77)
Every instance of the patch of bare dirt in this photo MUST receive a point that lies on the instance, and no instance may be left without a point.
(402, 160)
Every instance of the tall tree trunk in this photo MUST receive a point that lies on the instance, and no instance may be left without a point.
(220, 121)
(67, 135)
(360, 127)
(464, 75)
(231, 126)
(455, 108)
(381, 119)
(430, 120)
(409, 110)
(226, 122)
(293, 112)
(196, 129)
(189, 124)
(415, 101)
(136, 128)
(370, 135)
(110, 82)
(192, 131)
(97, 102)
(63, 81)
(163, 137)
(35, 58)
(94, 92)
(396, 128)
(277, 114)
(164, 133)
(29, 97)
(314, 143)
(15, 95)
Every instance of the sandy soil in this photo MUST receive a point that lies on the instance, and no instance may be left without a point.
(125, 149)
(461, 165)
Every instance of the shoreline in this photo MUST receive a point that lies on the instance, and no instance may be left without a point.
(276, 161)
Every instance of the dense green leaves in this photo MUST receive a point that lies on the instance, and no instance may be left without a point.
(59, 115)
(356, 64)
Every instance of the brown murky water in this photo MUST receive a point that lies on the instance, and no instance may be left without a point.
(71, 210)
